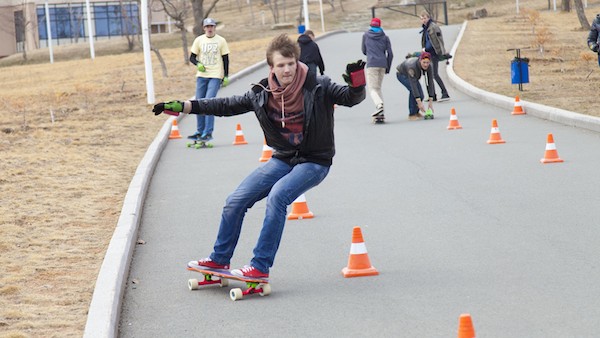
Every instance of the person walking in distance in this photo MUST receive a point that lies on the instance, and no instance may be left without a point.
(432, 42)
(210, 55)
(310, 54)
(593, 40)
(408, 73)
(295, 112)
(377, 47)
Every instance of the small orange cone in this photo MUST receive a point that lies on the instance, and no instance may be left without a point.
(239, 136)
(358, 261)
(174, 131)
(267, 153)
(495, 134)
(518, 110)
(551, 155)
(453, 121)
(300, 209)
(465, 326)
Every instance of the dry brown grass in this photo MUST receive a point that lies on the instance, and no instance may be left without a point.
(63, 182)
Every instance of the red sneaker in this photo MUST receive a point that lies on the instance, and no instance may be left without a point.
(249, 271)
(209, 263)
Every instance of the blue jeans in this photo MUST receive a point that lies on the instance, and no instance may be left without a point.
(413, 108)
(206, 88)
(281, 184)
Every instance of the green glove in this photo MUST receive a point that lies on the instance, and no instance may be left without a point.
(225, 82)
(174, 106)
(200, 67)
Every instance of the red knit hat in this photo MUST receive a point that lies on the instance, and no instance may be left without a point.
(425, 55)
(376, 22)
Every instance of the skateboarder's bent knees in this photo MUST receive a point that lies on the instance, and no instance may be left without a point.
(295, 112)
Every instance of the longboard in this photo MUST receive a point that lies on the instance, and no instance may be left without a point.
(199, 144)
(222, 277)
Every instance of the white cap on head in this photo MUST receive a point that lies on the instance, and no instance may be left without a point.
(209, 22)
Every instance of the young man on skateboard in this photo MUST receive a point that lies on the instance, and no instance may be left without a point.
(295, 112)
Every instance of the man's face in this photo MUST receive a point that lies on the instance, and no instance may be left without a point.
(284, 68)
(424, 19)
(425, 63)
(210, 31)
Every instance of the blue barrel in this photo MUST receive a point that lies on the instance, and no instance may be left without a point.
(519, 71)
(301, 29)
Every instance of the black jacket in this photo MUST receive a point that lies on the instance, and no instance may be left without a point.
(310, 53)
(594, 36)
(320, 96)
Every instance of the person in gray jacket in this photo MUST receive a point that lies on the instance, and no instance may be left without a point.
(377, 47)
(432, 42)
(295, 112)
(409, 73)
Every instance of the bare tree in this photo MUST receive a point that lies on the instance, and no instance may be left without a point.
(179, 11)
(565, 5)
(200, 14)
(583, 21)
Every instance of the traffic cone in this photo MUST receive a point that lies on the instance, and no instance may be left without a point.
(551, 155)
(518, 107)
(267, 153)
(495, 134)
(358, 261)
(174, 131)
(465, 326)
(300, 209)
(239, 136)
(453, 121)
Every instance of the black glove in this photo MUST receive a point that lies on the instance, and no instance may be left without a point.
(174, 106)
(355, 74)
(446, 56)
(594, 47)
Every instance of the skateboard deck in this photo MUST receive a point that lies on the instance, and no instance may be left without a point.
(378, 119)
(197, 144)
(222, 277)
(429, 115)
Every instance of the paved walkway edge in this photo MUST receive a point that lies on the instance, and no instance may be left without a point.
(105, 307)
(562, 116)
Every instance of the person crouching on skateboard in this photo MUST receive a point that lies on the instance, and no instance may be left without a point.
(408, 73)
(295, 112)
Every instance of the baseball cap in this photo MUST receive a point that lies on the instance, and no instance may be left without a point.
(209, 22)
(376, 22)
(425, 55)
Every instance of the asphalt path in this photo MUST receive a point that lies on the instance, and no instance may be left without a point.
(454, 225)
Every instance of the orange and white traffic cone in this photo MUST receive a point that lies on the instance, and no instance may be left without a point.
(267, 152)
(465, 326)
(551, 155)
(495, 137)
(358, 262)
(518, 110)
(300, 209)
(174, 131)
(239, 136)
(453, 121)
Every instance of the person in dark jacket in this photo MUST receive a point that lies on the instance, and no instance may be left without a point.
(432, 42)
(408, 73)
(310, 54)
(594, 37)
(295, 112)
(377, 47)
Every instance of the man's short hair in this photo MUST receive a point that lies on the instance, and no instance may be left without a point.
(285, 46)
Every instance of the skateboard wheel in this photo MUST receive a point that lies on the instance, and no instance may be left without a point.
(266, 289)
(224, 282)
(193, 284)
(236, 294)
(209, 145)
(188, 145)
(197, 146)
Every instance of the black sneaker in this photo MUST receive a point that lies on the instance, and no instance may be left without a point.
(194, 136)
(445, 97)
(206, 137)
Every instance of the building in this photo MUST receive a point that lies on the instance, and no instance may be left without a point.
(23, 24)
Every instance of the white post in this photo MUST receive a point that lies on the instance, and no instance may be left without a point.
(517, 7)
(306, 19)
(147, 58)
(555, 5)
(322, 18)
(49, 32)
(89, 25)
